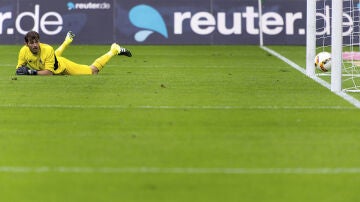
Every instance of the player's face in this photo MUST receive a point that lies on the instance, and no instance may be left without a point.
(34, 46)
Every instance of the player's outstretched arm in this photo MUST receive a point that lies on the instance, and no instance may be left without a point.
(24, 70)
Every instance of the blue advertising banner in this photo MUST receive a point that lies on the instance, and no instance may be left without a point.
(185, 22)
(210, 22)
(155, 21)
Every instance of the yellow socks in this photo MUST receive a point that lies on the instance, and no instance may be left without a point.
(100, 62)
(68, 40)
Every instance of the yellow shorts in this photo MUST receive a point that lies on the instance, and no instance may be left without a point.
(68, 67)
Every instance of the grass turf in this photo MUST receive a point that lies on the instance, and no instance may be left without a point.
(175, 107)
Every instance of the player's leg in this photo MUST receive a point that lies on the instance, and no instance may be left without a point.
(72, 68)
(68, 40)
(100, 62)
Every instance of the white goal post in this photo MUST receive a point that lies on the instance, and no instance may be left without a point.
(336, 44)
(310, 37)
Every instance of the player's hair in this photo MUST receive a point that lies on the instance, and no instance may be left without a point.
(32, 36)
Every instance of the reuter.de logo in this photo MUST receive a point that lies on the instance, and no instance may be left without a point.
(88, 6)
(226, 23)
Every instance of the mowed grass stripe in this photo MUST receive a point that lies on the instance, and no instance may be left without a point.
(157, 170)
(173, 107)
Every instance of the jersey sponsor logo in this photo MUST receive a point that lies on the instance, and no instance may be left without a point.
(149, 20)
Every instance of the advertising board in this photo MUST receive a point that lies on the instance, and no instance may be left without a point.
(204, 22)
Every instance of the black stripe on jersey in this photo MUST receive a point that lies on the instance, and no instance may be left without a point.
(56, 64)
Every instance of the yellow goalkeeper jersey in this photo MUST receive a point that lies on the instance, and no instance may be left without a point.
(44, 60)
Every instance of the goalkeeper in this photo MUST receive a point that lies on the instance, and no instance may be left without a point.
(37, 58)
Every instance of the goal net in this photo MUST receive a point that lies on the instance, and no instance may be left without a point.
(337, 30)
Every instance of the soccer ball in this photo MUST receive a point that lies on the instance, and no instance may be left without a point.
(323, 61)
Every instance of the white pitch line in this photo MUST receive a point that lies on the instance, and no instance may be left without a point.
(157, 170)
(344, 95)
(173, 107)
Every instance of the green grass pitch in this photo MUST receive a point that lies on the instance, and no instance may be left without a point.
(176, 124)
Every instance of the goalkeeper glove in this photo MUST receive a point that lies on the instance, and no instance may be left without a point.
(24, 70)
